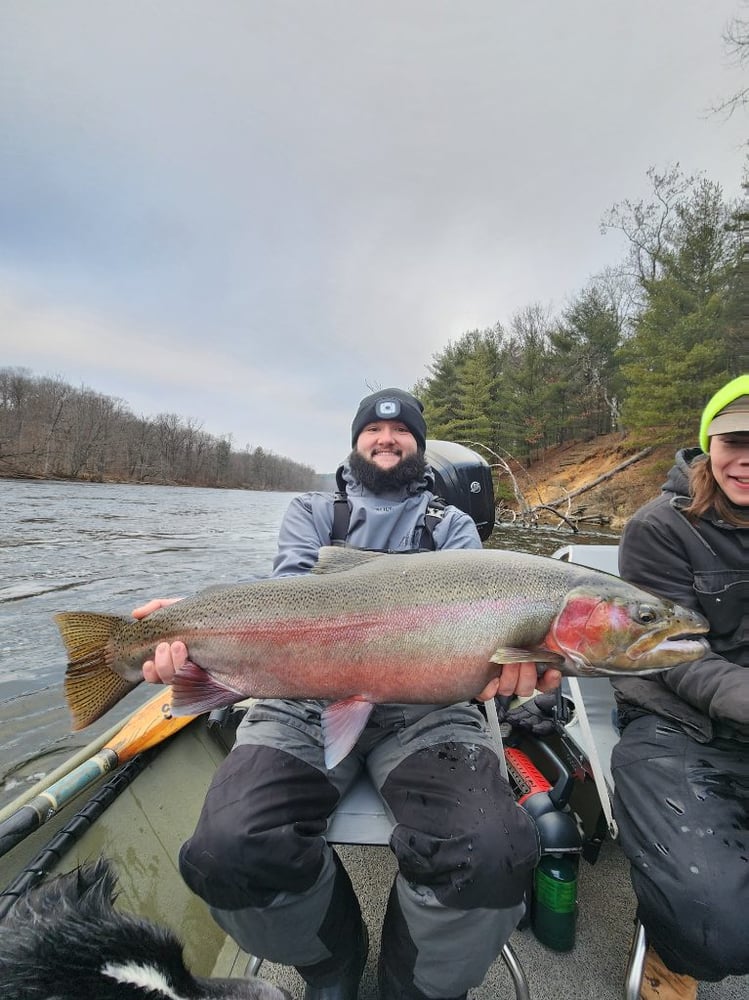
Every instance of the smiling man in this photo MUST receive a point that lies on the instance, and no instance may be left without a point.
(464, 848)
(389, 440)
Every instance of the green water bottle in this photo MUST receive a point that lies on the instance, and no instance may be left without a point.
(554, 905)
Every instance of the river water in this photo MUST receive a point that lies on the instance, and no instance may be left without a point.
(98, 547)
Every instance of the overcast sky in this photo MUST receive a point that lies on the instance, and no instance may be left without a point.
(247, 213)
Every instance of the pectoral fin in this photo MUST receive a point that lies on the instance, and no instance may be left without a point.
(511, 654)
(342, 724)
(195, 691)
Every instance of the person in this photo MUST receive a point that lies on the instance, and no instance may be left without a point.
(681, 768)
(464, 848)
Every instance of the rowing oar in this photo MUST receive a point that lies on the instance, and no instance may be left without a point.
(146, 727)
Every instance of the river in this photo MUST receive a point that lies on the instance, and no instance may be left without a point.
(110, 547)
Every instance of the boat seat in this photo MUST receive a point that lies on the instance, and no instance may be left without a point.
(361, 818)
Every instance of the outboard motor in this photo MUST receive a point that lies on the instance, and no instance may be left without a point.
(464, 479)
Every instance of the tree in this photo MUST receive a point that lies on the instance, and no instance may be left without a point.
(48, 428)
(589, 382)
(462, 398)
(680, 349)
(649, 225)
(529, 384)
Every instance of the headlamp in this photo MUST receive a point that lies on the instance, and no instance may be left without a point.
(387, 409)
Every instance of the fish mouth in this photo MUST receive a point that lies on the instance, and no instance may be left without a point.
(685, 641)
(681, 631)
(649, 654)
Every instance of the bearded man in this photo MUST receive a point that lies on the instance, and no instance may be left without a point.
(465, 849)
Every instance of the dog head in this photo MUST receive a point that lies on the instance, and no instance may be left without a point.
(64, 940)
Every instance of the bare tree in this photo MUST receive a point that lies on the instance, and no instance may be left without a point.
(649, 226)
(736, 42)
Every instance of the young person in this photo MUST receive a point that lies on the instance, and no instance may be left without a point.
(681, 768)
(464, 848)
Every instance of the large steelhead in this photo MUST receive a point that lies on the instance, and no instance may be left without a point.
(366, 628)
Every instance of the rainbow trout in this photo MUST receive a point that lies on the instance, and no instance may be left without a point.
(365, 628)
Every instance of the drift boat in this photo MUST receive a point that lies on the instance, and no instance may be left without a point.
(134, 798)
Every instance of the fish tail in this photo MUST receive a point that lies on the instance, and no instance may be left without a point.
(91, 685)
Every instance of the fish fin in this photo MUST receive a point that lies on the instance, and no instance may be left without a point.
(194, 691)
(511, 654)
(337, 559)
(90, 692)
(92, 686)
(342, 724)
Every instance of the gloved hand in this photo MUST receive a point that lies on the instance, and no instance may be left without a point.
(536, 715)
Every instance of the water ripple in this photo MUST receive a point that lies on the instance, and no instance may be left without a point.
(115, 546)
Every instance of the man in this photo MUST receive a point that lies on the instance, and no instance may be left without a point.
(464, 848)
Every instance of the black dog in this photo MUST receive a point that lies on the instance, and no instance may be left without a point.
(65, 941)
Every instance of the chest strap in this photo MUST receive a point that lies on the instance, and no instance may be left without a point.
(342, 517)
(341, 511)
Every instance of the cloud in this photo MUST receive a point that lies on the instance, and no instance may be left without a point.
(249, 213)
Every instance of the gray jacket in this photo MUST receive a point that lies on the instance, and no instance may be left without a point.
(702, 564)
(388, 522)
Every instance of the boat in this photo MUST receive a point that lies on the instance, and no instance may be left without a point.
(138, 814)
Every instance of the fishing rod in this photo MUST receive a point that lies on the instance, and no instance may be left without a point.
(147, 727)
(40, 866)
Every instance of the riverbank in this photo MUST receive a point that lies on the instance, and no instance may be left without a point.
(561, 473)
(564, 473)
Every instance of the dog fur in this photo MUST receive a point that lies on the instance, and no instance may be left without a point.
(64, 940)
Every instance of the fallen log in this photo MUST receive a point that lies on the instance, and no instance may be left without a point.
(600, 479)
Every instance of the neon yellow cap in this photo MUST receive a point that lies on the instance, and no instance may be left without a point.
(723, 398)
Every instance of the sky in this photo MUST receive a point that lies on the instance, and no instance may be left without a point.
(250, 213)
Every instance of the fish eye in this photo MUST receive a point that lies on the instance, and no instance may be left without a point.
(646, 614)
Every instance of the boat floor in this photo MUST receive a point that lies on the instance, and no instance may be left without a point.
(146, 825)
(593, 970)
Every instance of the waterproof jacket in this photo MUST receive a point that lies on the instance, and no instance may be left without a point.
(701, 564)
(391, 522)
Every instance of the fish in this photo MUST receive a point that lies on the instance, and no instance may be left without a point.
(365, 628)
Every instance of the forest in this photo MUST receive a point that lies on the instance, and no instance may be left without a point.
(640, 349)
(51, 430)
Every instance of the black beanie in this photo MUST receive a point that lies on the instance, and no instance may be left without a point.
(391, 404)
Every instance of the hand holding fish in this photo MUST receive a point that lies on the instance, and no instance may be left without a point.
(364, 628)
(521, 679)
(167, 658)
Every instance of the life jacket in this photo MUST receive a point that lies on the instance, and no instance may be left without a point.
(342, 517)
